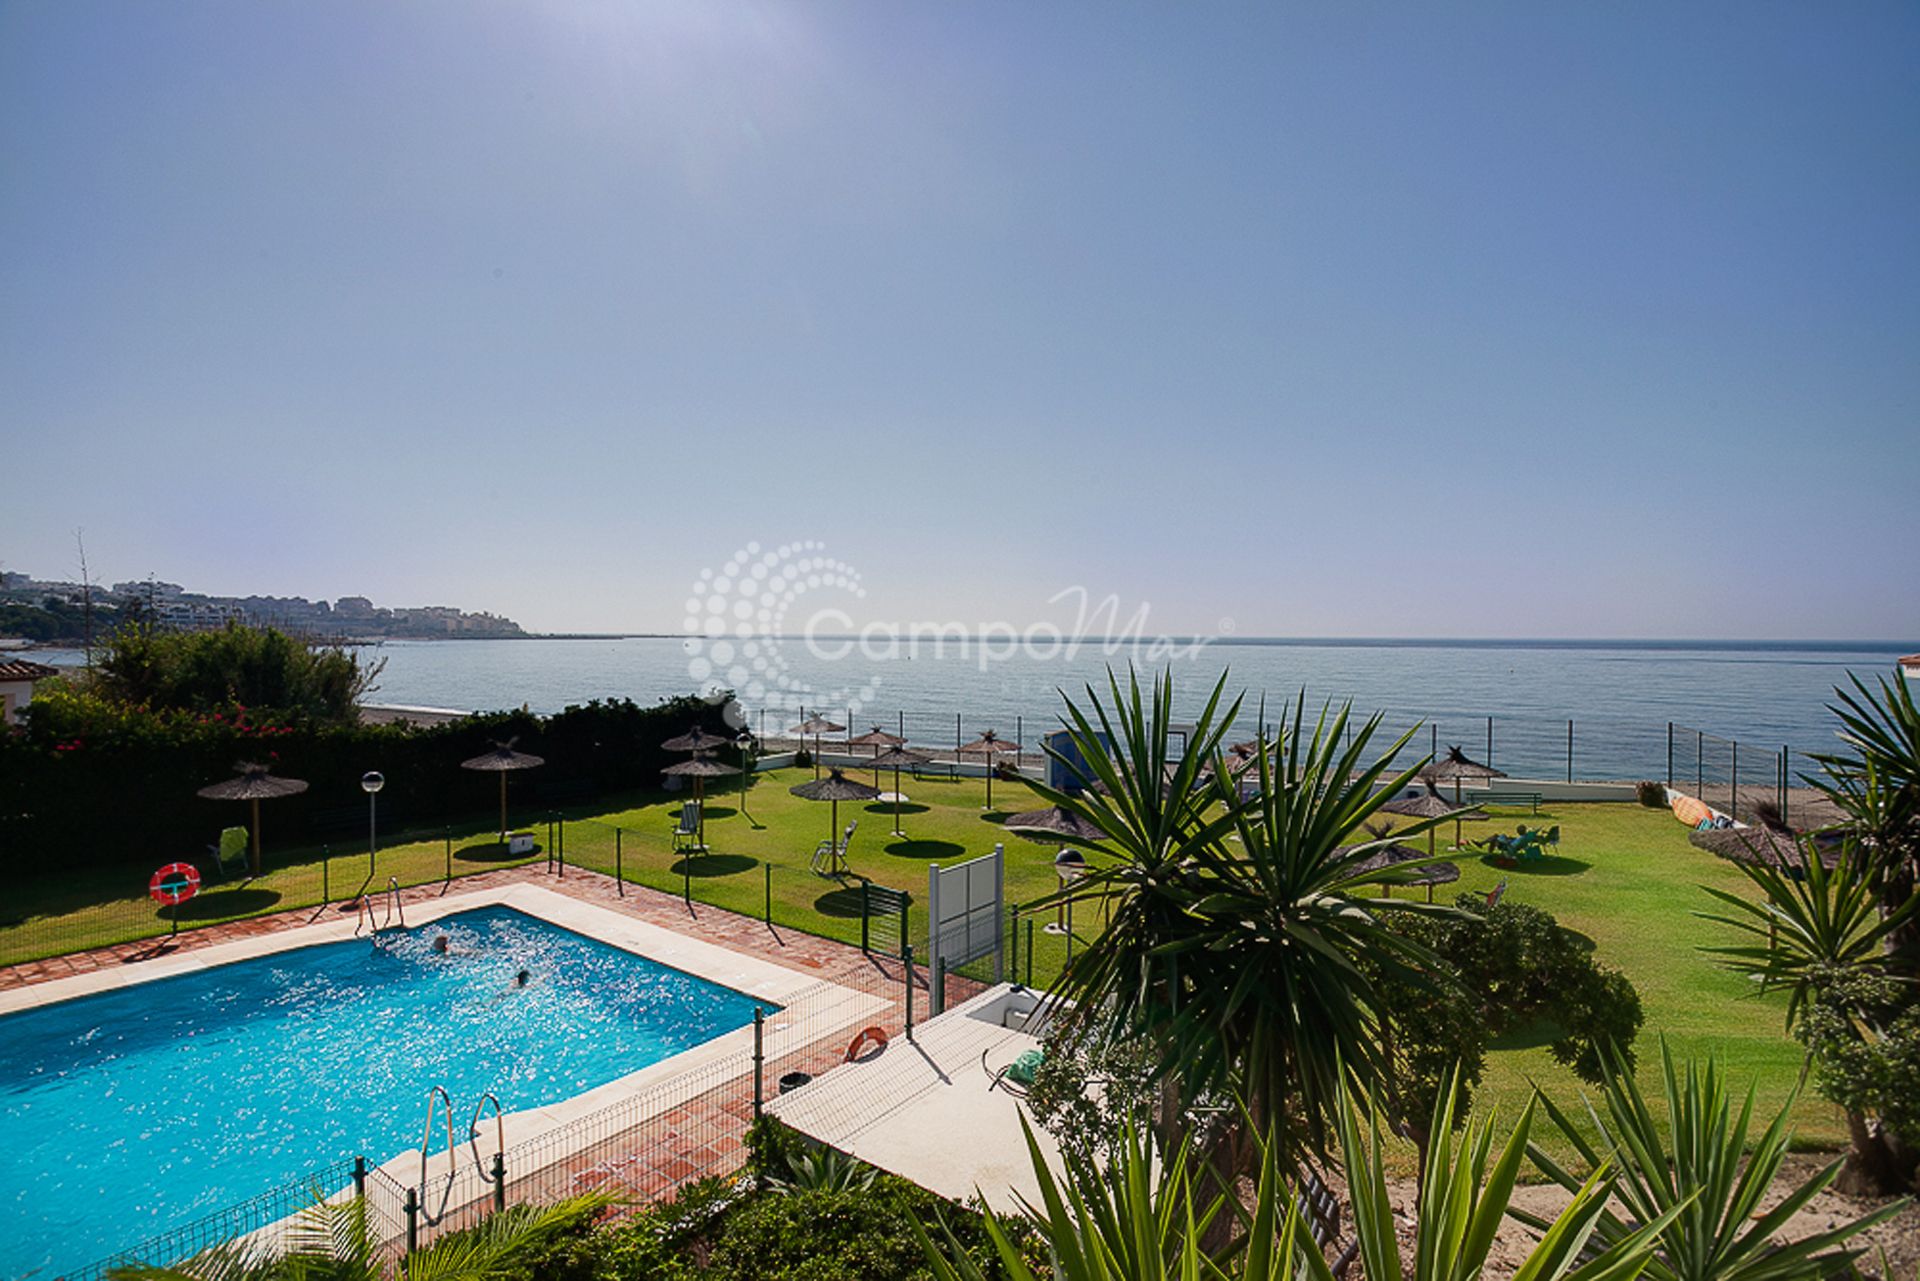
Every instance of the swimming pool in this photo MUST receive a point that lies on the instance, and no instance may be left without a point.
(132, 1111)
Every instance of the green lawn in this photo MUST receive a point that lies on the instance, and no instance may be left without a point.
(1625, 877)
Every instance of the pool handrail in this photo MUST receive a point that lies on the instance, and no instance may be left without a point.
(498, 1173)
(436, 1094)
(395, 908)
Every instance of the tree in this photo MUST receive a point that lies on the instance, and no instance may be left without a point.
(1244, 941)
(251, 667)
(1845, 941)
(1503, 969)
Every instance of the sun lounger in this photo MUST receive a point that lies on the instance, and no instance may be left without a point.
(830, 857)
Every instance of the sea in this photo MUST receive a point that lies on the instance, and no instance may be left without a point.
(1516, 701)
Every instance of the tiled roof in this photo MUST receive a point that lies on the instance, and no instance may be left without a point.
(19, 669)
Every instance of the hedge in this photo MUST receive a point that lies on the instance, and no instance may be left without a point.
(87, 782)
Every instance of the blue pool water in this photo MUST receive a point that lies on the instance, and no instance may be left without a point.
(131, 1112)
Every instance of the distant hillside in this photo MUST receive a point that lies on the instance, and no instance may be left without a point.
(49, 611)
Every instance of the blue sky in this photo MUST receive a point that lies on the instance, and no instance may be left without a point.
(1485, 319)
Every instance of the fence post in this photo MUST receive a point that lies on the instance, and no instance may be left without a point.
(561, 821)
(937, 985)
(1784, 759)
(449, 853)
(1569, 749)
(619, 876)
(865, 896)
(759, 1062)
(1699, 762)
(1029, 951)
(768, 869)
(686, 879)
(906, 953)
(1669, 755)
(1489, 742)
(412, 1207)
(360, 1177)
(326, 855)
(1013, 939)
(1733, 788)
(499, 1181)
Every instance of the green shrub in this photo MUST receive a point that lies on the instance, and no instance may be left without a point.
(822, 1236)
(72, 783)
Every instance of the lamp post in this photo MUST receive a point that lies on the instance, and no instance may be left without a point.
(371, 782)
(745, 743)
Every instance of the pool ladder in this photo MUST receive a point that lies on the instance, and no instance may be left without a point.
(495, 1175)
(396, 910)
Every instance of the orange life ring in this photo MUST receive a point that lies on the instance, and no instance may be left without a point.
(859, 1043)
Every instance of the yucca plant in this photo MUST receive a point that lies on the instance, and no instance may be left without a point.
(1244, 933)
(1700, 1180)
(1809, 922)
(1144, 1219)
(824, 1169)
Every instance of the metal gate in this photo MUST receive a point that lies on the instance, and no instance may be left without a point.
(964, 918)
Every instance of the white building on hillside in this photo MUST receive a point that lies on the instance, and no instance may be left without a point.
(17, 676)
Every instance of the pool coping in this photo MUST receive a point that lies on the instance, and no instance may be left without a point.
(812, 1007)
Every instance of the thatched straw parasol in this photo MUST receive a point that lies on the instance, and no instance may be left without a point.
(835, 787)
(1042, 827)
(816, 725)
(253, 785)
(876, 738)
(1457, 767)
(988, 744)
(1395, 854)
(696, 740)
(503, 760)
(1761, 846)
(700, 768)
(1432, 805)
(895, 759)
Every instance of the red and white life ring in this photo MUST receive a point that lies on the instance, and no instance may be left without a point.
(174, 884)
(876, 1036)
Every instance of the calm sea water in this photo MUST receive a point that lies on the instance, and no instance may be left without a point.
(1620, 695)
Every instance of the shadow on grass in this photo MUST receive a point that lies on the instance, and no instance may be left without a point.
(717, 812)
(713, 865)
(1545, 865)
(845, 903)
(906, 807)
(926, 849)
(218, 904)
(1534, 1036)
(490, 852)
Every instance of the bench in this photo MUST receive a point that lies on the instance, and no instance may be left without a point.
(937, 769)
(1530, 799)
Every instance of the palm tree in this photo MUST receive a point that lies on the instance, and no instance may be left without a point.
(335, 1241)
(1239, 927)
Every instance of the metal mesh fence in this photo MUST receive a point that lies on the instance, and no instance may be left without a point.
(290, 880)
(264, 1219)
(642, 1148)
(1537, 747)
(1731, 776)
